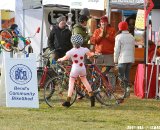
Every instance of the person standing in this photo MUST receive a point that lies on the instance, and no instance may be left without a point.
(103, 40)
(59, 38)
(124, 54)
(131, 23)
(78, 69)
(80, 28)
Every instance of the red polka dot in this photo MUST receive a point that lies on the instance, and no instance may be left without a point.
(76, 61)
(81, 57)
(81, 64)
(75, 55)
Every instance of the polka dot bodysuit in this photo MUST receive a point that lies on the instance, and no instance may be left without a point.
(77, 56)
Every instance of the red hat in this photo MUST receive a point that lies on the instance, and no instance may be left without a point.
(104, 19)
(123, 26)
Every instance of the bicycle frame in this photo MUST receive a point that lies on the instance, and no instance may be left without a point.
(96, 69)
(44, 75)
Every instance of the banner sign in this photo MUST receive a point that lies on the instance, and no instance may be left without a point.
(56, 2)
(90, 4)
(78, 4)
(21, 82)
(140, 19)
(131, 4)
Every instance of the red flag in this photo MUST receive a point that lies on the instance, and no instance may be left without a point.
(148, 7)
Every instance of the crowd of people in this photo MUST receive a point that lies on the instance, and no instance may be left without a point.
(115, 48)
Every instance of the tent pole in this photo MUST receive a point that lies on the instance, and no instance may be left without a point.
(41, 44)
(0, 20)
(23, 22)
(108, 10)
(146, 56)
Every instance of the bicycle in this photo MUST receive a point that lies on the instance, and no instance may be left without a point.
(46, 72)
(56, 88)
(103, 91)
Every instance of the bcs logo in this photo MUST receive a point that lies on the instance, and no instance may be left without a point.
(20, 74)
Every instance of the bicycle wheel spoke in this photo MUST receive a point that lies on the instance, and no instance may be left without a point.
(56, 91)
(119, 89)
(102, 92)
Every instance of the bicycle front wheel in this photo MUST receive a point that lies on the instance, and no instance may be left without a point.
(56, 91)
(103, 91)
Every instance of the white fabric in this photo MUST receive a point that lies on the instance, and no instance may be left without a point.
(58, 2)
(90, 4)
(78, 4)
(31, 22)
(26, 4)
(77, 56)
(7, 5)
(124, 48)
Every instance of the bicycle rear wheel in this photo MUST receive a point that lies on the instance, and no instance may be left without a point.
(119, 89)
(56, 90)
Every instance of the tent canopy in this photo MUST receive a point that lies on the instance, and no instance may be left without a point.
(7, 5)
(31, 14)
(12, 4)
(31, 4)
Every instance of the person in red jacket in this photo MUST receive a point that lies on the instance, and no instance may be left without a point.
(103, 40)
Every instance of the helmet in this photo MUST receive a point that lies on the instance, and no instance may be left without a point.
(77, 39)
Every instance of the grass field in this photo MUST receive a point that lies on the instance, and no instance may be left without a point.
(134, 113)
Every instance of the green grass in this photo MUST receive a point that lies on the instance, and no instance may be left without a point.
(134, 112)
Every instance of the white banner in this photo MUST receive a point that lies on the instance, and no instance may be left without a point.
(90, 4)
(56, 2)
(78, 4)
(21, 81)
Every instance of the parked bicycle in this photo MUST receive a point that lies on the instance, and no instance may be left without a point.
(108, 89)
(104, 91)
(56, 88)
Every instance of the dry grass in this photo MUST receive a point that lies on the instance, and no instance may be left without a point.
(134, 112)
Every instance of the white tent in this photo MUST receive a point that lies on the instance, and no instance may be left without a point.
(31, 14)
